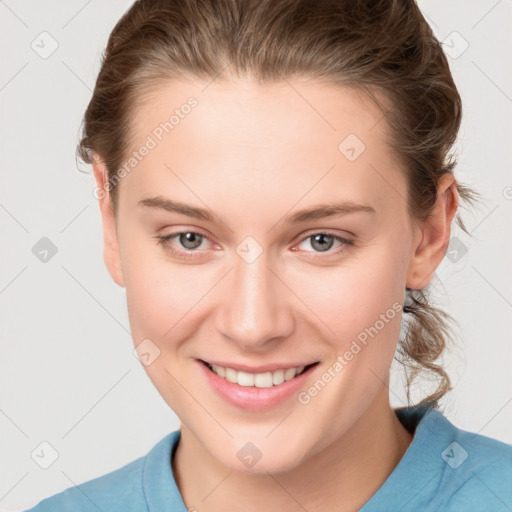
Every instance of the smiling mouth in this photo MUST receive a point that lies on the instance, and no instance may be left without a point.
(258, 380)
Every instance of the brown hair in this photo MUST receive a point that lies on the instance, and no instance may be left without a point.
(383, 46)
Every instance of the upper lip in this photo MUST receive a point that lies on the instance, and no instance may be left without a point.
(258, 369)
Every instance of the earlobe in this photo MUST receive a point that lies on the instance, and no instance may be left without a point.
(433, 235)
(111, 252)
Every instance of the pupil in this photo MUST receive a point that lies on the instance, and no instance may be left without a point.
(320, 239)
(190, 240)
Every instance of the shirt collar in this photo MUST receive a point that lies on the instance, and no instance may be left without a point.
(417, 464)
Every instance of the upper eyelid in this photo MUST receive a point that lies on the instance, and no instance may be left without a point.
(183, 231)
(343, 240)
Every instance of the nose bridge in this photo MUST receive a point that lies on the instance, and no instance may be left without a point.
(254, 308)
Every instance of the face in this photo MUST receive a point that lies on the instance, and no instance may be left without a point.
(265, 246)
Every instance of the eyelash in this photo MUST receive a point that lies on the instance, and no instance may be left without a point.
(189, 254)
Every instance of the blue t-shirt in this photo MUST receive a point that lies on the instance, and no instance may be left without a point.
(444, 469)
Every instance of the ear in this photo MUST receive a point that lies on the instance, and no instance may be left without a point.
(111, 253)
(433, 235)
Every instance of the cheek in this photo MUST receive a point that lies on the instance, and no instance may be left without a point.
(359, 300)
(167, 301)
(163, 296)
(164, 301)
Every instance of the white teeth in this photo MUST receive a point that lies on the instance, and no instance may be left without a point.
(231, 375)
(278, 377)
(263, 380)
(259, 380)
(245, 379)
(290, 373)
(219, 370)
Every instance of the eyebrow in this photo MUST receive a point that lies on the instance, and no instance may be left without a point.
(312, 213)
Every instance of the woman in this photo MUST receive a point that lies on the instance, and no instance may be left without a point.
(277, 191)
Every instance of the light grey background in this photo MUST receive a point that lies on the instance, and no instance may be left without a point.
(68, 374)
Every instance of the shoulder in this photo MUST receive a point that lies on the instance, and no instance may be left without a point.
(479, 451)
(485, 471)
(121, 490)
(446, 468)
(475, 470)
(106, 492)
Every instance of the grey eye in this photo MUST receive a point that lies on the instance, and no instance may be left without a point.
(190, 240)
(319, 242)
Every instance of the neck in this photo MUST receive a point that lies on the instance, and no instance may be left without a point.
(343, 477)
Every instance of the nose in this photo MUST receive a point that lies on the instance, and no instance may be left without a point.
(256, 307)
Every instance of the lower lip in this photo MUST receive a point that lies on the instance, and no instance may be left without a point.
(251, 397)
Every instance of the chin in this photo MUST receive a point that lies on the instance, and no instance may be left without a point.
(259, 456)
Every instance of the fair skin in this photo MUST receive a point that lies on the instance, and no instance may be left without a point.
(253, 155)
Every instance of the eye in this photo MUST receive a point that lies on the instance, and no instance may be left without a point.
(323, 242)
(189, 244)
(191, 241)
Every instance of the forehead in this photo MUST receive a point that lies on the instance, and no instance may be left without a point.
(257, 112)
(272, 135)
